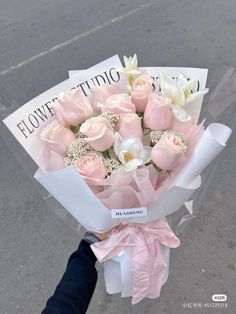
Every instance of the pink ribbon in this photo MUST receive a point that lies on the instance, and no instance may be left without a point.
(144, 241)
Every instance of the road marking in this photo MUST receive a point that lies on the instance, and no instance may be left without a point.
(76, 38)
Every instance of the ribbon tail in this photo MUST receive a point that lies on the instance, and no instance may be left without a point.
(156, 278)
(145, 243)
(162, 232)
(140, 261)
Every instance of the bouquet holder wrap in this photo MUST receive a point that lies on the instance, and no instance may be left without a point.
(117, 274)
(141, 247)
(70, 190)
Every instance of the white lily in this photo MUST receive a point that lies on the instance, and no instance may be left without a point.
(131, 65)
(179, 93)
(131, 152)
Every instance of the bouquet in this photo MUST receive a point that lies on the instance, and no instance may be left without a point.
(121, 148)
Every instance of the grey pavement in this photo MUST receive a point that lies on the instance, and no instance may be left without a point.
(39, 42)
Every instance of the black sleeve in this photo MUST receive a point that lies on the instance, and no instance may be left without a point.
(75, 290)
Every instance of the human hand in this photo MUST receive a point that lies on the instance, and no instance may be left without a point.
(93, 237)
(102, 236)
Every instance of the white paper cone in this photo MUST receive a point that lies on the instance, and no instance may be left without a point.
(209, 146)
(71, 191)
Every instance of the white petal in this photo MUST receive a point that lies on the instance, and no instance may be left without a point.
(117, 144)
(191, 83)
(164, 78)
(146, 154)
(186, 85)
(132, 165)
(127, 62)
(182, 82)
(181, 114)
(133, 145)
(170, 89)
(134, 62)
(188, 88)
(121, 157)
(138, 161)
(196, 95)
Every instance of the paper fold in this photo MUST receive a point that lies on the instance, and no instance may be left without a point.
(208, 147)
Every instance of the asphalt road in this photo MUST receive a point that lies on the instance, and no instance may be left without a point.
(39, 42)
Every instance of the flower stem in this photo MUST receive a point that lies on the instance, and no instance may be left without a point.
(106, 154)
(157, 168)
(130, 79)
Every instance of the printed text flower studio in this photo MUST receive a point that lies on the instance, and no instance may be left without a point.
(107, 77)
(36, 118)
(42, 114)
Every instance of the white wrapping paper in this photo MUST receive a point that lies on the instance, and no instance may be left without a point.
(209, 146)
(74, 194)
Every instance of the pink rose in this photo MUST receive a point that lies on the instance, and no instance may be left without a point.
(158, 114)
(91, 167)
(57, 137)
(119, 103)
(100, 135)
(130, 126)
(99, 95)
(168, 152)
(140, 91)
(72, 108)
(191, 130)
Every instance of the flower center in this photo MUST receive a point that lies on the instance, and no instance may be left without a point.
(128, 156)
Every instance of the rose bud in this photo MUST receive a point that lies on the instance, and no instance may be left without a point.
(119, 103)
(168, 152)
(57, 137)
(72, 108)
(99, 95)
(91, 167)
(158, 114)
(190, 129)
(99, 133)
(140, 91)
(130, 126)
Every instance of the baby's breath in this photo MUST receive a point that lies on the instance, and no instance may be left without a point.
(69, 161)
(155, 136)
(111, 165)
(112, 117)
(77, 149)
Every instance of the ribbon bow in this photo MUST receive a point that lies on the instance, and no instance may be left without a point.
(147, 261)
